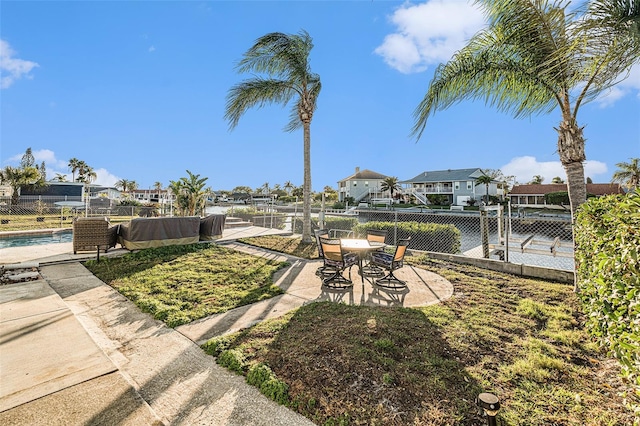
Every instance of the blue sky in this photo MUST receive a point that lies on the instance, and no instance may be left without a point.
(137, 90)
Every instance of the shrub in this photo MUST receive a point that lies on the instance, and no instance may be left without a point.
(607, 237)
(424, 236)
(346, 223)
(261, 376)
(232, 359)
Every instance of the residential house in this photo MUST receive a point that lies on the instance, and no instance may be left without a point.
(458, 186)
(152, 196)
(363, 185)
(533, 195)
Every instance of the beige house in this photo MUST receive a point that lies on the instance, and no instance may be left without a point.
(363, 186)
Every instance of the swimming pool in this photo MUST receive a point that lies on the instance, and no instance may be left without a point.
(36, 239)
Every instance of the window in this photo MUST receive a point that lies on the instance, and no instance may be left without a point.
(469, 185)
(355, 183)
(457, 185)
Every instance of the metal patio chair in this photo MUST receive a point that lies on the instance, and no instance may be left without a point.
(391, 263)
(335, 263)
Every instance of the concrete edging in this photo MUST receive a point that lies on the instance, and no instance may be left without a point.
(509, 268)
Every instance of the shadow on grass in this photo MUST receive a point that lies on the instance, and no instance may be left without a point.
(363, 365)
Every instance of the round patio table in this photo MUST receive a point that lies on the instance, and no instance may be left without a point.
(362, 247)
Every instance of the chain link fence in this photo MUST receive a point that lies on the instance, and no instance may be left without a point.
(37, 212)
(533, 239)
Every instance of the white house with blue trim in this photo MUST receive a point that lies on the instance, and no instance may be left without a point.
(458, 186)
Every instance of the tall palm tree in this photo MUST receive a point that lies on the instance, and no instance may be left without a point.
(536, 56)
(628, 174)
(265, 188)
(284, 58)
(288, 186)
(74, 166)
(86, 173)
(486, 181)
(390, 183)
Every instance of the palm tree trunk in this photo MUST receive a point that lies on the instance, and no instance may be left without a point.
(571, 151)
(306, 186)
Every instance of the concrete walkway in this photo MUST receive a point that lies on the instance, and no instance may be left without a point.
(75, 351)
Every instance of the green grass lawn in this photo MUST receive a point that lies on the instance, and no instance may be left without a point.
(521, 339)
(180, 284)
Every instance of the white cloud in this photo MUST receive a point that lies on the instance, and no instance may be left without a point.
(525, 168)
(49, 157)
(11, 68)
(429, 33)
(629, 85)
(105, 178)
(152, 49)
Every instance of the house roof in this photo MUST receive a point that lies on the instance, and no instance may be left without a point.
(365, 174)
(445, 176)
(542, 189)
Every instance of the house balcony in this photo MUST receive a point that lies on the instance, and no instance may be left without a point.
(447, 189)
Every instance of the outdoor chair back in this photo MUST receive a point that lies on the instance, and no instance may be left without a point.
(377, 235)
(391, 262)
(335, 262)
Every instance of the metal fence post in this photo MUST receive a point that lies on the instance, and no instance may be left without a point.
(395, 229)
(484, 233)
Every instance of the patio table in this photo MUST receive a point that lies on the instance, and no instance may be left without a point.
(362, 247)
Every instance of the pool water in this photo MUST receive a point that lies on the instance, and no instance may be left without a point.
(31, 240)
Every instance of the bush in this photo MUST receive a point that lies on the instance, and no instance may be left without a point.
(261, 376)
(232, 359)
(424, 236)
(607, 238)
(347, 223)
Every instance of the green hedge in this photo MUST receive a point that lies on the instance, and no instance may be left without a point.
(607, 237)
(347, 223)
(424, 236)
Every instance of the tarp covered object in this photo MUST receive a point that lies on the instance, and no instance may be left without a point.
(150, 232)
(211, 227)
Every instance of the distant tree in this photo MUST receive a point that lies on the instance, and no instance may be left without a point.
(242, 190)
(298, 191)
(284, 58)
(60, 177)
(74, 166)
(191, 194)
(265, 189)
(86, 174)
(486, 181)
(43, 171)
(390, 183)
(288, 186)
(157, 186)
(557, 179)
(537, 180)
(628, 174)
(17, 177)
(28, 160)
(589, 180)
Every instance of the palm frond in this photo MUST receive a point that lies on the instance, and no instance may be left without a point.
(491, 70)
(255, 92)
